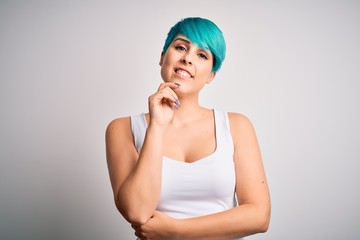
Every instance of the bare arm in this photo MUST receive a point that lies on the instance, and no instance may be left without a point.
(250, 217)
(136, 177)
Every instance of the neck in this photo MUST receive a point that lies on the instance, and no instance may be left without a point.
(189, 111)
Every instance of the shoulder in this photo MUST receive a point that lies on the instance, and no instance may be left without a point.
(240, 126)
(238, 120)
(118, 123)
(118, 126)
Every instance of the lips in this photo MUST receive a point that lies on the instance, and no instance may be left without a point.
(183, 73)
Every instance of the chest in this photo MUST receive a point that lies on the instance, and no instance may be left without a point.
(190, 143)
(200, 188)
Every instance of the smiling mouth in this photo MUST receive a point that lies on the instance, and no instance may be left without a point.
(183, 73)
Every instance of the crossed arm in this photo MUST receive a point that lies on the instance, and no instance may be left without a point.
(136, 182)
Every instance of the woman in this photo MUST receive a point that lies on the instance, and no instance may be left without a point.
(183, 171)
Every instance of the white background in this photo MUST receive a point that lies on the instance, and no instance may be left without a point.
(67, 68)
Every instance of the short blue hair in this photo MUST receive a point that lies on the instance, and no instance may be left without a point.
(202, 32)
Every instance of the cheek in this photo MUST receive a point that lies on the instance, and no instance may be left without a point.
(167, 66)
(165, 72)
(206, 69)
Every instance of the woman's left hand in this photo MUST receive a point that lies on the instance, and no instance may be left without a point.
(158, 227)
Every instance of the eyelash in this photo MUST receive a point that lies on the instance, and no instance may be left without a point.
(182, 48)
(203, 56)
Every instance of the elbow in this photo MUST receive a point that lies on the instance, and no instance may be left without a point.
(259, 219)
(264, 220)
(264, 226)
(133, 217)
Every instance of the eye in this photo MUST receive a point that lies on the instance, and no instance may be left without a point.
(180, 48)
(202, 55)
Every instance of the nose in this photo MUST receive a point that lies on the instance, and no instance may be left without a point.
(186, 59)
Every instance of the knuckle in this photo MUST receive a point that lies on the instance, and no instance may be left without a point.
(162, 85)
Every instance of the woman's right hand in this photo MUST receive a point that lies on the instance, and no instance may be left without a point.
(163, 103)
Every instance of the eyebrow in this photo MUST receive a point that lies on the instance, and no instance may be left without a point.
(182, 39)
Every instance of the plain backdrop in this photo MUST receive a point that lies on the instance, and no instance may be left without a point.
(67, 68)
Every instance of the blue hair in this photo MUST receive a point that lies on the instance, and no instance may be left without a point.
(202, 32)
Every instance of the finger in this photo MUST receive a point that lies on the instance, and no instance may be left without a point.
(139, 235)
(165, 95)
(172, 85)
(170, 94)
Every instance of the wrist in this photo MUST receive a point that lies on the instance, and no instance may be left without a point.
(156, 127)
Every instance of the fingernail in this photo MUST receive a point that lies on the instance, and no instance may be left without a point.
(177, 102)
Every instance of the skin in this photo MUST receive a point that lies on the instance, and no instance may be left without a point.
(186, 133)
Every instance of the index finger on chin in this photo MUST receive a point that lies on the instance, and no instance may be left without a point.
(172, 85)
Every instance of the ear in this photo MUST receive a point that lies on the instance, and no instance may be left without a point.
(211, 77)
(161, 59)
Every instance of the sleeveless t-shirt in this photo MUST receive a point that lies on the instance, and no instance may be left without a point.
(199, 188)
